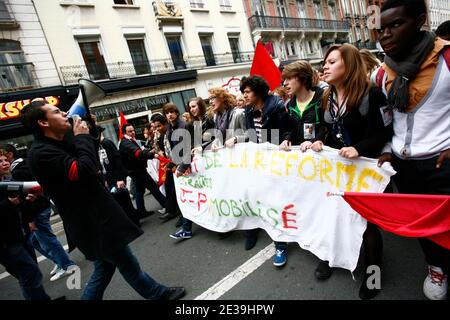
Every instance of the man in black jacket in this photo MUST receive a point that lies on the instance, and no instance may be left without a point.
(93, 220)
(178, 143)
(115, 176)
(15, 255)
(134, 158)
(37, 214)
(266, 121)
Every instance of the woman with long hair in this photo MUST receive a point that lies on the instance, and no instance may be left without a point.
(228, 120)
(357, 126)
(202, 123)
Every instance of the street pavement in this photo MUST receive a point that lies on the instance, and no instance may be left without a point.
(201, 262)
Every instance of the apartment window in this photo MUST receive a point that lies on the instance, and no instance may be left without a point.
(94, 60)
(281, 6)
(198, 4)
(15, 72)
(346, 8)
(290, 48)
(311, 48)
(139, 56)
(208, 50)
(301, 11)
(318, 10)
(235, 51)
(332, 10)
(258, 8)
(126, 2)
(366, 34)
(176, 52)
(4, 13)
(354, 8)
(225, 5)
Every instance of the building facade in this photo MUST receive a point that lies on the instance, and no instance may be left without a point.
(296, 29)
(438, 12)
(145, 53)
(27, 68)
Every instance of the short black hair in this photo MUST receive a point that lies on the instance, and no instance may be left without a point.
(257, 84)
(414, 8)
(444, 29)
(157, 117)
(125, 126)
(30, 115)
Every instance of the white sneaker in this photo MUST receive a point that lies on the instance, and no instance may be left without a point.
(435, 285)
(162, 211)
(54, 270)
(62, 273)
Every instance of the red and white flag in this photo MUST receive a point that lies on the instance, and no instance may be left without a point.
(409, 215)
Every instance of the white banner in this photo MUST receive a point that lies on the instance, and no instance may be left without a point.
(285, 193)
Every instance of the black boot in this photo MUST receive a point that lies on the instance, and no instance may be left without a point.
(364, 292)
(323, 271)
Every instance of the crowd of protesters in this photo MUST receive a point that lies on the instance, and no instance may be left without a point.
(396, 111)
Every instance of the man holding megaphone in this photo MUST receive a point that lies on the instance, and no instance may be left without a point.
(93, 220)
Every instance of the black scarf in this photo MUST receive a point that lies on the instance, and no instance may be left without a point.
(406, 70)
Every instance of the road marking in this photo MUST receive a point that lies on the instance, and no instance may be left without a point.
(39, 259)
(224, 285)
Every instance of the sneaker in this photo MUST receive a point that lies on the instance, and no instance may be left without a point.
(61, 273)
(181, 234)
(54, 270)
(323, 271)
(280, 258)
(145, 214)
(167, 216)
(173, 293)
(162, 211)
(435, 285)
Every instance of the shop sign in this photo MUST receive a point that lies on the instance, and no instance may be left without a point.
(11, 110)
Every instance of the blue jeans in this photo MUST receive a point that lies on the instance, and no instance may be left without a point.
(280, 245)
(21, 265)
(186, 224)
(130, 270)
(46, 242)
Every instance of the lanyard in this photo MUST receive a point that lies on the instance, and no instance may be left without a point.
(338, 122)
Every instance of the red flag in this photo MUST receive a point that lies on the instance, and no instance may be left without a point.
(163, 161)
(264, 67)
(122, 122)
(409, 215)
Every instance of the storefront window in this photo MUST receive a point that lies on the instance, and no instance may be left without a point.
(22, 144)
(107, 116)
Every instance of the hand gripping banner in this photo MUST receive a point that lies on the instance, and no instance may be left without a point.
(285, 193)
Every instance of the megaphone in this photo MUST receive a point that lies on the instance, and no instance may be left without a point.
(89, 92)
(18, 188)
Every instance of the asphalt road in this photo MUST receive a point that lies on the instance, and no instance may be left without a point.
(201, 262)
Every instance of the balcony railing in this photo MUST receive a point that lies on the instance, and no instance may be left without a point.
(366, 45)
(226, 7)
(272, 22)
(7, 20)
(17, 76)
(119, 70)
